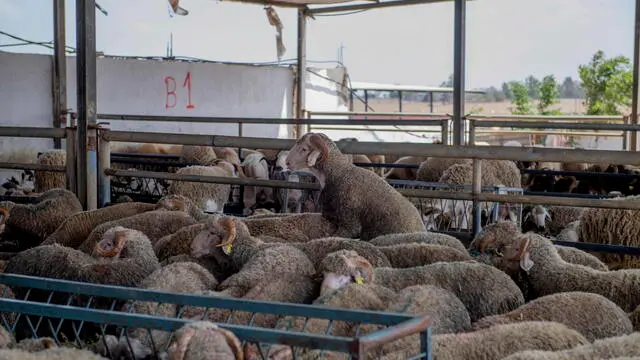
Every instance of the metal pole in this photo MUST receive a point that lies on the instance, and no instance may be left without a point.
(476, 187)
(431, 102)
(86, 79)
(70, 142)
(445, 132)
(59, 69)
(458, 71)
(399, 101)
(302, 68)
(104, 181)
(472, 132)
(636, 70)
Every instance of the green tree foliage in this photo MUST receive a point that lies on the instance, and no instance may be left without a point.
(607, 84)
(507, 91)
(521, 98)
(569, 89)
(548, 94)
(533, 86)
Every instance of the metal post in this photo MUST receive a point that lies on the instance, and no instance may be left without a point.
(444, 135)
(458, 71)
(636, 70)
(472, 132)
(366, 101)
(92, 168)
(70, 142)
(86, 79)
(431, 102)
(302, 68)
(476, 187)
(399, 101)
(59, 69)
(104, 181)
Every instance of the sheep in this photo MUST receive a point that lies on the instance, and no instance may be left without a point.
(402, 173)
(205, 340)
(185, 204)
(27, 225)
(378, 159)
(179, 277)
(48, 180)
(293, 228)
(559, 217)
(614, 227)
(411, 255)
(425, 237)
(227, 154)
(255, 166)
(208, 196)
(534, 261)
(593, 315)
(203, 155)
(351, 196)
(577, 256)
(154, 224)
(254, 263)
(619, 347)
(432, 169)
(75, 229)
(490, 291)
(497, 342)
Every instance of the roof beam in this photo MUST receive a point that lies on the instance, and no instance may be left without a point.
(376, 5)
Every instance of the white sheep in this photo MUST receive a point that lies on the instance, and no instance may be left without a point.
(208, 196)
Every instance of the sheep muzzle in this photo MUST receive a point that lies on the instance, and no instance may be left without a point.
(111, 247)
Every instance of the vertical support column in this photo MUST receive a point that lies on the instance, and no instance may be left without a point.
(459, 71)
(86, 79)
(472, 132)
(399, 101)
(104, 181)
(636, 70)
(302, 68)
(444, 132)
(70, 142)
(59, 69)
(476, 188)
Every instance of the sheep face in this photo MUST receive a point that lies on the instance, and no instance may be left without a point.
(309, 151)
(227, 343)
(112, 243)
(344, 267)
(508, 253)
(539, 215)
(220, 234)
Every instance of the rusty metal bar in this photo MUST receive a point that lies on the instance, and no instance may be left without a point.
(70, 142)
(212, 179)
(548, 117)
(32, 132)
(43, 167)
(557, 125)
(392, 148)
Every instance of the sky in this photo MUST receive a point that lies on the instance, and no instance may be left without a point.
(412, 45)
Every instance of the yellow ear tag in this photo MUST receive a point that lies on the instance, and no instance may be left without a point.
(359, 280)
(227, 249)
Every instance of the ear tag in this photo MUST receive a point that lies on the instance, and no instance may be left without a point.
(227, 249)
(359, 280)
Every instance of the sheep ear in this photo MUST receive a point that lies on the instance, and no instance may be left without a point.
(321, 149)
(312, 159)
(525, 257)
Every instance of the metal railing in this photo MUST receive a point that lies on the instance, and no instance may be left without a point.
(79, 305)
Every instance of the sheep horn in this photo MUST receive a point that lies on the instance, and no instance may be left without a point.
(179, 348)
(117, 246)
(317, 142)
(229, 225)
(232, 341)
(5, 214)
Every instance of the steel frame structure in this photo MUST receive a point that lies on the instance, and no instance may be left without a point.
(86, 75)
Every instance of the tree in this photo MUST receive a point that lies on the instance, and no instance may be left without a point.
(507, 91)
(548, 95)
(533, 86)
(607, 84)
(446, 97)
(520, 99)
(569, 89)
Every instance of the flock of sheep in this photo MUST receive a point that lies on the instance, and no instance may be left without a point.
(510, 294)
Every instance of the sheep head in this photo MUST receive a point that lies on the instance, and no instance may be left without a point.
(230, 168)
(343, 267)
(539, 214)
(175, 203)
(227, 341)
(4, 215)
(308, 152)
(112, 243)
(508, 248)
(221, 233)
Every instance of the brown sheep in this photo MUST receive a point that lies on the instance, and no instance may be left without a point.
(361, 204)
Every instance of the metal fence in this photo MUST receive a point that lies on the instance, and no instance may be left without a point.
(91, 316)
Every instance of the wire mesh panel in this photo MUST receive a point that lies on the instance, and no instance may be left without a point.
(130, 323)
(442, 214)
